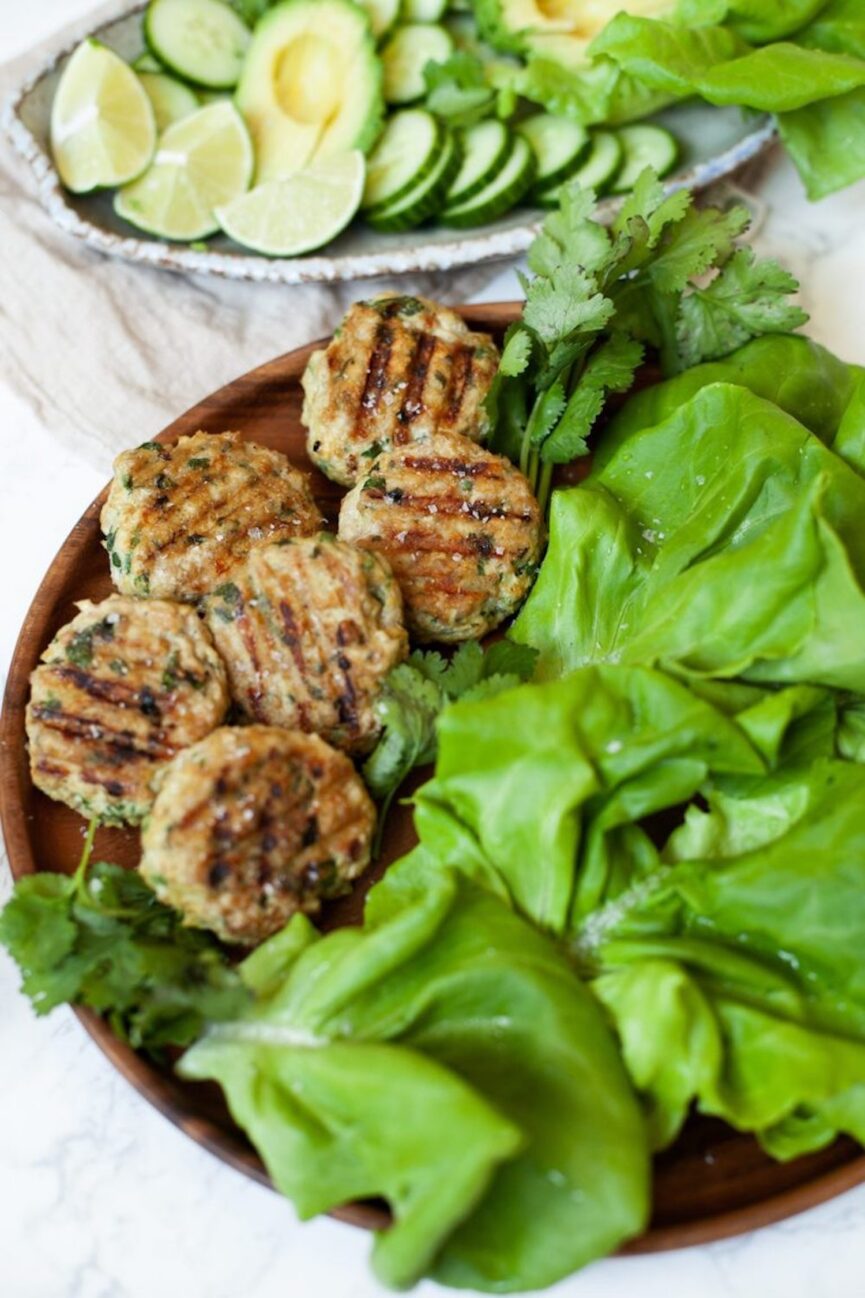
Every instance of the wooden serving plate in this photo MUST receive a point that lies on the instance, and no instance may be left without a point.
(714, 1182)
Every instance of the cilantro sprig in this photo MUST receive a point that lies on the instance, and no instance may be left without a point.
(665, 275)
(415, 693)
(100, 938)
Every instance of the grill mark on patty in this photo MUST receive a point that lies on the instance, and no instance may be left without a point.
(479, 511)
(243, 622)
(431, 542)
(155, 747)
(291, 635)
(418, 368)
(346, 702)
(115, 692)
(239, 848)
(430, 464)
(376, 376)
(194, 509)
(113, 787)
(46, 767)
(461, 372)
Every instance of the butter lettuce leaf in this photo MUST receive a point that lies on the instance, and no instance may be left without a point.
(748, 946)
(811, 73)
(757, 21)
(537, 793)
(649, 565)
(447, 1058)
(793, 372)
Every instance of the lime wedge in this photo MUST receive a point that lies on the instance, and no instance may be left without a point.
(171, 99)
(103, 130)
(284, 218)
(202, 162)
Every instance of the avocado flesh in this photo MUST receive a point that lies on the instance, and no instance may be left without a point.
(311, 85)
(520, 24)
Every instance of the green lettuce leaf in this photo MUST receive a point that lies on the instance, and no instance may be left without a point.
(647, 565)
(838, 27)
(715, 64)
(668, 57)
(814, 81)
(748, 944)
(602, 92)
(536, 792)
(795, 373)
(757, 21)
(518, 1152)
(826, 142)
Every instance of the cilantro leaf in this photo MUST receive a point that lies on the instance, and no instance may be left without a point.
(747, 298)
(100, 938)
(547, 412)
(458, 90)
(407, 708)
(609, 369)
(566, 301)
(702, 239)
(516, 353)
(649, 202)
(508, 658)
(570, 235)
(415, 692)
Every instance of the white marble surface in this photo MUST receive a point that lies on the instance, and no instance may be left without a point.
(99, 1196)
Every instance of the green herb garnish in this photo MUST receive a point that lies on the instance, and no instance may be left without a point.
(415, 692)
(99, 938)
(600, 297)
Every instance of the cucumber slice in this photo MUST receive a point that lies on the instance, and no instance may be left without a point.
(644, 145)
(426, 198)
(201, 41)
(171, 99)
(500, 194)
(423, 11)
(407, 151)
(558, 145)
(485, 148)
(382, 15)
(595, 172)
(405, 55)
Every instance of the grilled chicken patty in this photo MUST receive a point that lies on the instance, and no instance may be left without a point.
(398, 370)
(253, 824)
(179, 517)
(308, 629)
(121, 689)
(460, 528)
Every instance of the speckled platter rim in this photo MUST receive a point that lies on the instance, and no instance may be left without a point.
(824, 1181)
(464, 249)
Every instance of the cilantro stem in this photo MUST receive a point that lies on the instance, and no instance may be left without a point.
(86, 852)
(526, 444)
(544, 487)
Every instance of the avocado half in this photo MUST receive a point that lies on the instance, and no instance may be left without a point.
(311, 85)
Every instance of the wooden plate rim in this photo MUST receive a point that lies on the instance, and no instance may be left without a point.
(144, 1077)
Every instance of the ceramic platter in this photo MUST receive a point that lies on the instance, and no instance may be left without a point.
(715, 141)
(713, 1182)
